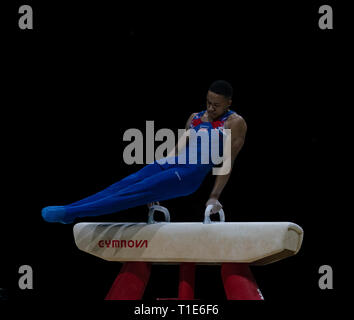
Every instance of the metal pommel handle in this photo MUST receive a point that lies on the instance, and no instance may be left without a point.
(158, 208)
(208, 213)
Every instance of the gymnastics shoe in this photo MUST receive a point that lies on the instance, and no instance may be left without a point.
(56, 214)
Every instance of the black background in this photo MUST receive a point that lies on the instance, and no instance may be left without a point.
(88, 71)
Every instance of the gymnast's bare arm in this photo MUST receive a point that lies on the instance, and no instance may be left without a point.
(238, 128)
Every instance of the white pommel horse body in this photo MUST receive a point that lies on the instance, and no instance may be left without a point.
(233, 245)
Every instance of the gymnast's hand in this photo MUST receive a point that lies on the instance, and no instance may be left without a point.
(152, 204)
(216, 205)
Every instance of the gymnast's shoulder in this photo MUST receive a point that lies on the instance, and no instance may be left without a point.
(236, 122)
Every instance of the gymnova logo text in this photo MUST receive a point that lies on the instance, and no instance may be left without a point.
(197, 144)
(123, 243)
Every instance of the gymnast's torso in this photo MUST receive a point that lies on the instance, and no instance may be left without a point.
(197, 153)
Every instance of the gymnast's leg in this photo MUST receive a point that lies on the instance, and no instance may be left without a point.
(147, 171)
(164, 185)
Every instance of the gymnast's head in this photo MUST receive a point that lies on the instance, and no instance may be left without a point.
(219, 98)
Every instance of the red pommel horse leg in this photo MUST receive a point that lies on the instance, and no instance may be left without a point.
(186, 281)
(239, 283)
(131, 282)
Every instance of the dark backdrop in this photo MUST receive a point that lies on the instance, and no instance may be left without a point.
(90, 71)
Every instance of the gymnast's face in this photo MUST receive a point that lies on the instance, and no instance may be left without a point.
(217, 105)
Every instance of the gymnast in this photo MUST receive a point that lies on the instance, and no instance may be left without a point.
(162, 180)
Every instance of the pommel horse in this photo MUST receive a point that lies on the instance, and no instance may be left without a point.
(233, 245)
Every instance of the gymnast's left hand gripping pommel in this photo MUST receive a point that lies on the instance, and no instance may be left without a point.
(216, 205)
(213, 206)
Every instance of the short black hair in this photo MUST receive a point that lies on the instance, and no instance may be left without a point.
(222, 87)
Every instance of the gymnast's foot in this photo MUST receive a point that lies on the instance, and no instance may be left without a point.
(56, 214)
